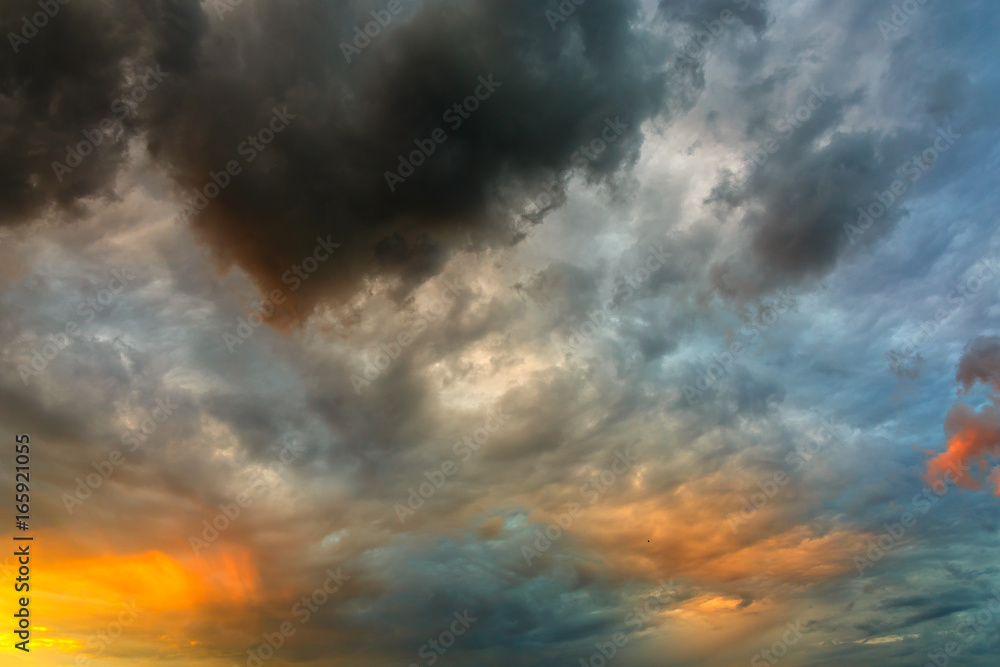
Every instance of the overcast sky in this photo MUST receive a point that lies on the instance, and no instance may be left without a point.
(510, 332)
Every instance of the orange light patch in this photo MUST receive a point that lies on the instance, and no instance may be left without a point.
(156, 580)
(146, 600)
(688, 535)
(710, 604)
(962, 447)
(974, 439)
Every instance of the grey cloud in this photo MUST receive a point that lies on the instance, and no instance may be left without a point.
(980, 363)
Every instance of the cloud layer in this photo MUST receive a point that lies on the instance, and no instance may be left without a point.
(610, 365)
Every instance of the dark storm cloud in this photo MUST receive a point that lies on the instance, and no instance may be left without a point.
(558, 86)
(553, 90)
(70, 75)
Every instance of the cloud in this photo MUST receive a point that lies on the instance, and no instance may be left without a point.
(973, 437)
(346, 124)
(80, 69)
(980, 363)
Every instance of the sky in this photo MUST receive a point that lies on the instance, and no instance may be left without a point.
(487, 332)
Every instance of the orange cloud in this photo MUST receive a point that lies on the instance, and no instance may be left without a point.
(687, 535)
(157, 580)
(143, 602)
(973, 439)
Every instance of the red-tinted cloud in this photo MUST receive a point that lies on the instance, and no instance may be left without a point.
(973, 437)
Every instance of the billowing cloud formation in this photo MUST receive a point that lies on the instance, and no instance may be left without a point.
(489, 98)
(78, 68)
(973, 437)
(556, 530)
